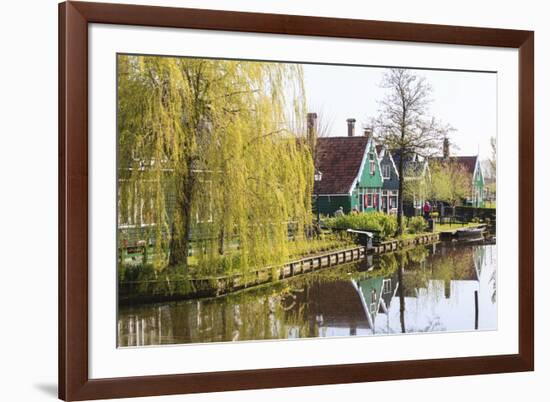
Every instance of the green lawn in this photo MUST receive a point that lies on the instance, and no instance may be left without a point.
(447, 227)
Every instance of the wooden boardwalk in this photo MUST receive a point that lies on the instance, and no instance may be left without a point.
(394, 245)
(221, 285)
(231, 283)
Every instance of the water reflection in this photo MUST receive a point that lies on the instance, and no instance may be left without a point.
(425, 289)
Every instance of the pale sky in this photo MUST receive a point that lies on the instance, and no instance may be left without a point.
(465, 100)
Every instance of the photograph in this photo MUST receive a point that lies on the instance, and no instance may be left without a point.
(274, 200)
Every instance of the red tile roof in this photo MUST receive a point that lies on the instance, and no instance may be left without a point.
(339, 160)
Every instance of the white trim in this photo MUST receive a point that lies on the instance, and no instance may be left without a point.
(427, 168)
(476, 168)
(384, 176)
(378, 162)
(394, 167)
(366, 309)
(370, 143)
(361, 167)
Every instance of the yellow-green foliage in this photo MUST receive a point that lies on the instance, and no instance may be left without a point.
(222, 141)
(376, 221)
(450, 182)
(417, 225)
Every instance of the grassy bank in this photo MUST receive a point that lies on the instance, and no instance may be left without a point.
(143, 283)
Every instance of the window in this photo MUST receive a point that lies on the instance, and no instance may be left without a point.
(372, 168)
(393, 201)
(370, 200)
(373, 306)
(387, 285)
(386, 171)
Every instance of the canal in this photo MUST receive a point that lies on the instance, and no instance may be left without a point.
(442, 287)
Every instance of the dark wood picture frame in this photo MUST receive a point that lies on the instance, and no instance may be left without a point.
(74, 382)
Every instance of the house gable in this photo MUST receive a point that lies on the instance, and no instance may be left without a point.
(370, 174)
(368, 182)
(387, 162)
(477, 179)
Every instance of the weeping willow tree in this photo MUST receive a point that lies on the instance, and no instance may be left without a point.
(212, 150)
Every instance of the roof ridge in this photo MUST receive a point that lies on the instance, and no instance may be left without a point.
(343, 137)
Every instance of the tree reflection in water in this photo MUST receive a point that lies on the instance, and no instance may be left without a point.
(425, 289)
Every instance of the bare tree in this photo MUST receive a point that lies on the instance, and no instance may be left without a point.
(404, 125)
(491, 171)
(493, 159)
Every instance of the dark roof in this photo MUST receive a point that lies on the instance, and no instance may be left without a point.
(411, 166)
(337, 302)
(339, 160)
(467, 162)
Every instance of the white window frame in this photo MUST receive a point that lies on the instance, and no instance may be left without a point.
(370, 192)
(386, 286)
(386, 171)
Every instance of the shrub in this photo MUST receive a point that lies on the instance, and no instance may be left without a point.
(417, 224)
(385, 225)
(136, 273)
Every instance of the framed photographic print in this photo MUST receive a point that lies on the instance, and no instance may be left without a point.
(259, 200)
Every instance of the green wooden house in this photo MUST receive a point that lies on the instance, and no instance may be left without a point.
(472, 166)
(350, 174)
(417, 176)
(390, 175)
(478, 186)
(376, 295)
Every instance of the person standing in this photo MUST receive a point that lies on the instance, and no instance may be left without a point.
(427, 210)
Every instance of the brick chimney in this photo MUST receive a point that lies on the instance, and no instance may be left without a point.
(311, 129)
(446, 148)
(367, 131)
(351, 127)
(311, 123)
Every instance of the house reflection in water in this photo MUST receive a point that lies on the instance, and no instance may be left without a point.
(423, 290)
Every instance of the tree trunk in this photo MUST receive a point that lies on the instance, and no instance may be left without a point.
(181, 226)
(222, 218)
(400, 196)
(221, 245)
(401, 295)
